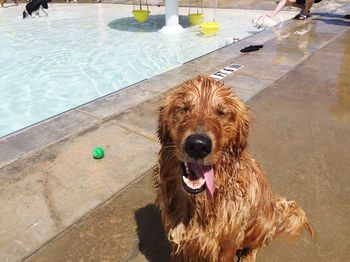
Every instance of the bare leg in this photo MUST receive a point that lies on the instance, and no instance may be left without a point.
(308, 5)
(305, 8)
(295, 4)
(283, 3)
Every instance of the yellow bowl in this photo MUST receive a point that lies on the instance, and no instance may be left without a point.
(195, 19)
(210, 28)
(141, 15)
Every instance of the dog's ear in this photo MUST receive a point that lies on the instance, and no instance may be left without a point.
(243, 122)
(162, 131)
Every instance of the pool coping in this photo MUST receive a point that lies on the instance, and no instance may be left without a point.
(42, 134)
(19, 144)
(30, 139)
(33, 138)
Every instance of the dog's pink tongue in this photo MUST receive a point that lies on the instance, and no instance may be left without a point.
(208, 173)
(209, 180)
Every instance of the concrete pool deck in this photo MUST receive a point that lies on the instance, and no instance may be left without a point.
(59, 204)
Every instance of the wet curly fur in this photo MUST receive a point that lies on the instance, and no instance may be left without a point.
(242, 215)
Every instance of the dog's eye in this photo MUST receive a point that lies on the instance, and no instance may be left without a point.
(182, 109)
(221, 113)
(185, 108)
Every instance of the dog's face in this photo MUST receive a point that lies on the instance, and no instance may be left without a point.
(202, 121)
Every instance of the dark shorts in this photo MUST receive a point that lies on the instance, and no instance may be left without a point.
(302, 2)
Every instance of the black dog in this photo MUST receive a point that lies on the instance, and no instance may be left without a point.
(34, 6)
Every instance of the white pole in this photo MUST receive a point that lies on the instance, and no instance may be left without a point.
(172, 25)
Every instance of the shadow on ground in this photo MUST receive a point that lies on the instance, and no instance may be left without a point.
(152, 240)
(333, 19)
(154, 24)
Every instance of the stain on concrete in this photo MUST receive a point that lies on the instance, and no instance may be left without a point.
(125, 228)
(47, 191)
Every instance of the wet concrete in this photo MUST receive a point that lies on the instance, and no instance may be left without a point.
(125, 228)
(305, 148)
(58, 204)
(44, 194)
(301, 136)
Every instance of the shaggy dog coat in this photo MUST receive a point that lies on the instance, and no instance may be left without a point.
(214, 199)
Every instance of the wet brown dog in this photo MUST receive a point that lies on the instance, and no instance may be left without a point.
(214, 199)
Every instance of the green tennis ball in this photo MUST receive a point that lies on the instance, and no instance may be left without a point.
(98, 152)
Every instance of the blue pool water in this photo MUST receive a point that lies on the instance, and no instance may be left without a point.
(84, 51)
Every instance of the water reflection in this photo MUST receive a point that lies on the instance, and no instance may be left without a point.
(153, 24)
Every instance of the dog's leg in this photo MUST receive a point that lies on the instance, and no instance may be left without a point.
(44, 11)
(227, 255)
(250, 257)
(228, 250)
(176, 258)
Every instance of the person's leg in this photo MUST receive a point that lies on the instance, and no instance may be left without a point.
(305, 6)
(296, 3)
(308, 5)
(283, 3)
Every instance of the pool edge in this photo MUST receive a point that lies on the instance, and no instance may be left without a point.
(73, 121)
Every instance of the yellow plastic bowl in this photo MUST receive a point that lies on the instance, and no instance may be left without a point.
(141, 15)
(195, 19)
(210, 28)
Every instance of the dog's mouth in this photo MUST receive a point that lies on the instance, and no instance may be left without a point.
(196, 178)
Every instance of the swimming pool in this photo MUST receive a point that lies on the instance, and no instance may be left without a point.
(84, 51)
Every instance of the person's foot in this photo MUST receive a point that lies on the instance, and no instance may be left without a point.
(301, 16)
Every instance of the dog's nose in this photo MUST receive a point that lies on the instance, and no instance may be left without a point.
(198, 146)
